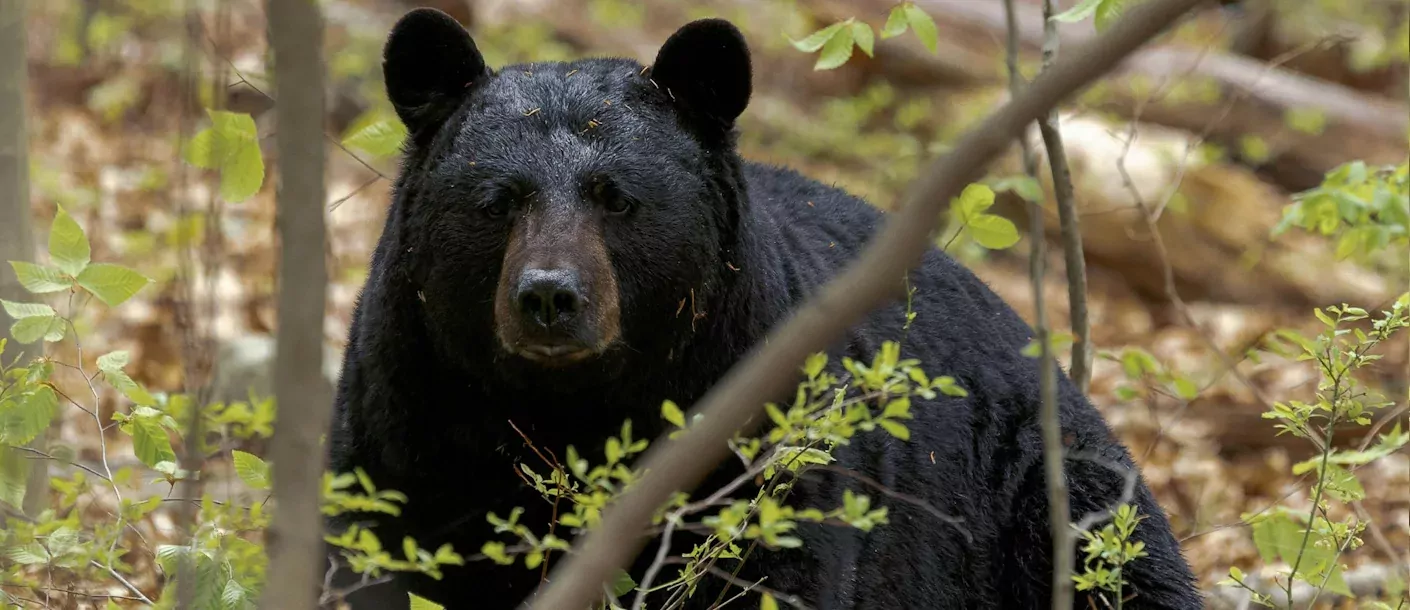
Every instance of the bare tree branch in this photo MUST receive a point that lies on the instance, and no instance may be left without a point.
(1073, 253)
(1059, 513)
(872, 280)
(296, 35)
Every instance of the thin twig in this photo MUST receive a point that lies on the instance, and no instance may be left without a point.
(69, 462)
(649, 578)
(891, 493)
(557, 496)
(1128, 488)
(130, 587)
(72, 592)
(1059, 511)
(1075, 261)
(747, 585)
(341, 200)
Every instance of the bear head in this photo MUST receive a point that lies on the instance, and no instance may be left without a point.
(566, 216)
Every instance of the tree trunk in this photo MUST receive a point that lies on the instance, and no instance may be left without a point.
(16, 236)
(301, 393)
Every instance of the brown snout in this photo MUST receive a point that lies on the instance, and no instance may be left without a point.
(556, 302)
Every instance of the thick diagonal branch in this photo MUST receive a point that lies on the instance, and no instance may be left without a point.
(871, 281)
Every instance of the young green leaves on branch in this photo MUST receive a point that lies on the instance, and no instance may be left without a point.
(73, 270)
(828, 411)
(991, 231)
(1367, 209)
(1107, 553)
(836, 41)
(377, 133)
(1310, 542)
(230, 145)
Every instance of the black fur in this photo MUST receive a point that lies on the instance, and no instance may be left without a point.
(427, 394)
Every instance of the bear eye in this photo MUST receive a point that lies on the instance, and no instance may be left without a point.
(611, 199)
(497, 207)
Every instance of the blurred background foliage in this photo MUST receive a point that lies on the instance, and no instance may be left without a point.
(1222, 125)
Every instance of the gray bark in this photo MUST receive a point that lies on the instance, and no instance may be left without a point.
(302, 396)
(16, 233)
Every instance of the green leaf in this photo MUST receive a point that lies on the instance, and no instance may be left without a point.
(1254, 148)
(1107, 12)
(673, 414)
(1024, 186)
(897, 429)
(622, 583)
(993, 232)
(1310, 121)
(251, 469)
(242, 175)
(865, 39)
(923, 26)
(817, 39)
(1277, 538)
(813, 366)
(1185, 389)
(421, 603)
(20, 311)
(1341, 484)
(376, 133)
(113, 361)
(26, 418)
(201, 151)
(767, 602)
(1324, 317)
(29, 554)
(1389, 443)
(973, 200)
(836, 51)
(39, 279)
(898, 409)
(68, 246)
(795, 457)
(231, 145)
(150, 442)
(776, 415)
(1336, 583)
(232, 125)
(1080, 11)
(14, 469)
(613, 451)
(112, 284)
(29, 330)
(896, 22)
(496, 552)
(129, 388)
(234, 595)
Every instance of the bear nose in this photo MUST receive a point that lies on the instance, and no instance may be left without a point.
(549, 297)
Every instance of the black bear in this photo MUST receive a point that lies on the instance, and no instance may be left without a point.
(570, 244)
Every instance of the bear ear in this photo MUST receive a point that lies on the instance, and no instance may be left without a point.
(705, 67)
(429, 64)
